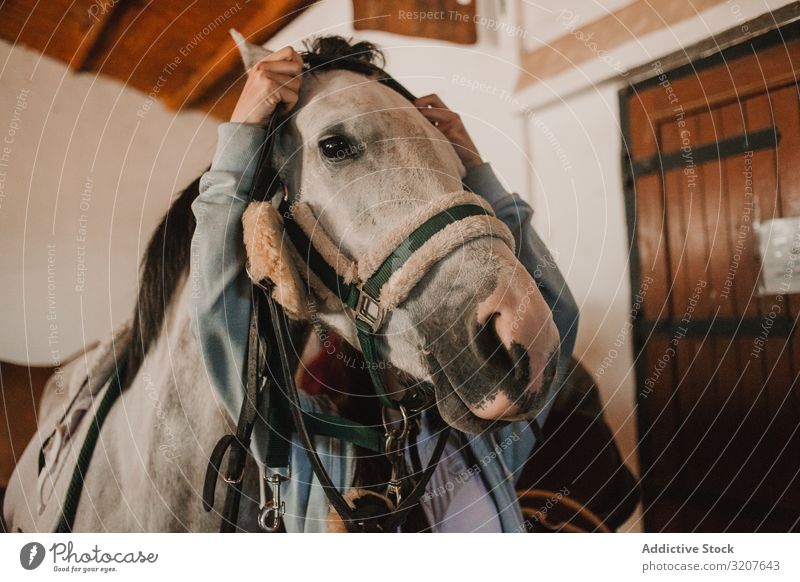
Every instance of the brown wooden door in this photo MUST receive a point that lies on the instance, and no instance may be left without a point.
(712, 150)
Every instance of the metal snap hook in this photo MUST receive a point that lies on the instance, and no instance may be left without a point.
(400, 435)
(270, 519)
(270, 516)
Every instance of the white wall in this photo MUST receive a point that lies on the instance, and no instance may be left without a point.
(81, 164)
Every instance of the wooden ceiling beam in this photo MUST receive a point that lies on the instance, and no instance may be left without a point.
(55, 28)
(225, 62)
(181, 53)
(101, 14)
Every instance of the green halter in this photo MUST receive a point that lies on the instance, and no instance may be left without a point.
(362, 298)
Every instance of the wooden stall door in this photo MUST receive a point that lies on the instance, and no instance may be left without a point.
(712, 151)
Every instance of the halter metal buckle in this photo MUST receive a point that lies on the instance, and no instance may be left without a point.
(369, 310)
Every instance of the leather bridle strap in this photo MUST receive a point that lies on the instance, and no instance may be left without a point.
(337, 500)
(260, 394)
(238, 443)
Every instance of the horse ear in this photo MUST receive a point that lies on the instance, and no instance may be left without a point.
(269, 256)
(251, 53)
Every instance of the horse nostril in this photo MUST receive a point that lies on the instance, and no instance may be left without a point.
(520, 364)
(550, 369)
(486, 343)
(490, 349)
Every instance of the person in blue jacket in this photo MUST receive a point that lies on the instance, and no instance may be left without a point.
(472, 492)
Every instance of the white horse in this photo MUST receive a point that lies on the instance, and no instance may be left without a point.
(461, 326)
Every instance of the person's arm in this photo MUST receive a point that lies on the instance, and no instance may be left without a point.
(219, 287)
(534, 256)
(221, 306)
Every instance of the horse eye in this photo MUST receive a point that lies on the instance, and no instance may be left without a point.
(337, 148)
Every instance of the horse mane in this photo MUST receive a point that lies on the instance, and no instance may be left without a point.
(166, 259)
(164, 263)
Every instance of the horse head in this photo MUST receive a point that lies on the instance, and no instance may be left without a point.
(360, 164)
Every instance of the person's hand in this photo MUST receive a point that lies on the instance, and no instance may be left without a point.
(450, 124)
(274, 79)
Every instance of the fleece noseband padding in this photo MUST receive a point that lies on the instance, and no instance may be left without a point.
(271, 255)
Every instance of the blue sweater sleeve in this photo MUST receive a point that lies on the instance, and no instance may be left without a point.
(221, 301)
(219, 287)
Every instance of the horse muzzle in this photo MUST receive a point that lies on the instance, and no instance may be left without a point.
(516, 338)
(499, 361)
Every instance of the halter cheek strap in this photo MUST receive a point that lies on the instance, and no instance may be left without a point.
(388, 274)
